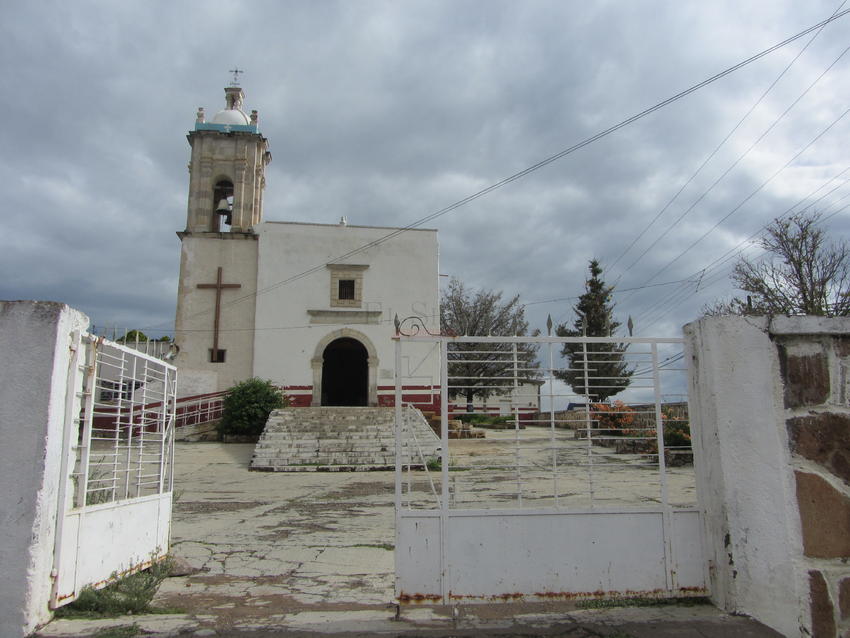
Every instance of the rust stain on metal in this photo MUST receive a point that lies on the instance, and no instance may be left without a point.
(405, 598)
(578, 595)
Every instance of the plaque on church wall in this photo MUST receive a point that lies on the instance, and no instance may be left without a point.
(344, 316)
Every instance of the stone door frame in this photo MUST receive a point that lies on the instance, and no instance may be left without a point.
(372, 362)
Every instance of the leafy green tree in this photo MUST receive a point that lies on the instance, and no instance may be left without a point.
(607, 372)
(131, 336)
(247, 406)
(801, 274)
(479, 370)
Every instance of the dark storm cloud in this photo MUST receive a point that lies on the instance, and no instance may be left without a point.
(385, 112)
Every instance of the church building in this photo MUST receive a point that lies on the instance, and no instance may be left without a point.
(309, 306)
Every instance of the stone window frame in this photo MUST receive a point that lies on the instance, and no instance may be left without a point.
(342, 272)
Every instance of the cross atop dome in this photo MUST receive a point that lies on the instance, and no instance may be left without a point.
(232, 118)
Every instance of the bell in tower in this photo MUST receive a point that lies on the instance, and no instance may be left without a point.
(227, 169)
(224, 196)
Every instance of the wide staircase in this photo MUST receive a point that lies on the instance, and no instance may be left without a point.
(341, 439)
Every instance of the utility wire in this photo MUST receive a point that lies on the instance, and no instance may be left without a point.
(730, 254)
(717, 149)
(712, 278)
(665, 283)
(719, 276)
(750, 196)
(540, 164)
(736, 162)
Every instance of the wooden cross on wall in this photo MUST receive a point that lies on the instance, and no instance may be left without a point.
(218, 286)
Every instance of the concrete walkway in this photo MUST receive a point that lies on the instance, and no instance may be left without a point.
(308, 553)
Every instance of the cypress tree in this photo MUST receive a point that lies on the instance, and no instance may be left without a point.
(607, 372)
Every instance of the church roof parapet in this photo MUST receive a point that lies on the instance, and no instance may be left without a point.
(427, 230)
(227, 128)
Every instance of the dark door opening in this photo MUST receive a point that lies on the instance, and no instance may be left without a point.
(345, 373)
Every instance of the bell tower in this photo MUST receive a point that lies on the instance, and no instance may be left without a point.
(227, 169)
(214, 323)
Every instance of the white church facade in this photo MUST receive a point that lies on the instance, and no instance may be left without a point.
(309, 306)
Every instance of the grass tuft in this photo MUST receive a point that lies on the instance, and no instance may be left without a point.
(124, 631)
(605, 603)
(387, 546)
(129, 595)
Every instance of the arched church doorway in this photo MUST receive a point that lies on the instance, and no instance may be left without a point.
(345, 373)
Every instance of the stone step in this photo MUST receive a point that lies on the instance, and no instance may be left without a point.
(337, 439)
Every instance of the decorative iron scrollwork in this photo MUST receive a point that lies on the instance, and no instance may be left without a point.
(412, 326)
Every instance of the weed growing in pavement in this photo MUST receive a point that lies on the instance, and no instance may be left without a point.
(435, 464)
(604, 603)
(387, 546)
(128, 595)
(124, 631)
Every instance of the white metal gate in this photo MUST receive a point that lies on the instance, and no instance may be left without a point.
(561, 503)
(118, 444)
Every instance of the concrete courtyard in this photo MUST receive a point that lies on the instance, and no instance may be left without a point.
(313, 551)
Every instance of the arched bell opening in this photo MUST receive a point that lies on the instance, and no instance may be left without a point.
(345, 373)
(222, 216)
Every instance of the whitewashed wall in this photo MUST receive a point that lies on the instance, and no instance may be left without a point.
(526, 396)
(37, 337)
(401, 279)
(741, 460)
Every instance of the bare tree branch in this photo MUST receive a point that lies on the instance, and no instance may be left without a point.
(802, 274)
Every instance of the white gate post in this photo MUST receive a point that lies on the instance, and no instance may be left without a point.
(36, 341)
(742, 463)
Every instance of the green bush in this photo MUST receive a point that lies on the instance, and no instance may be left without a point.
(677, 434)
(247, 406)
(483, 419)
(131, 336)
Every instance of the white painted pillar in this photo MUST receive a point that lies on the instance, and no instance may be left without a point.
(742, 461)
(35, 347)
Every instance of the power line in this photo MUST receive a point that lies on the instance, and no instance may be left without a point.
(719, 276)
(665, 283)
(704, 278)
(736, 162)
(751, 195)
(540, 164)
(737, 250)
(718, 147)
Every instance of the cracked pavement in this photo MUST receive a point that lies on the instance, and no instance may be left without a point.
(311, 553)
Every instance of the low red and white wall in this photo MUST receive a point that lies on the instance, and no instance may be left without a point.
(424, 397)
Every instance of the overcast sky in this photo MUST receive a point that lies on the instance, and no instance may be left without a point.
(387, 111)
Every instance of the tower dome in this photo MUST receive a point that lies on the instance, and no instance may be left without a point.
(231, 116)
(230, 119)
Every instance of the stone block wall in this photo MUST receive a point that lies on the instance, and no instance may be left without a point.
(815, 371)
(770, 417)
